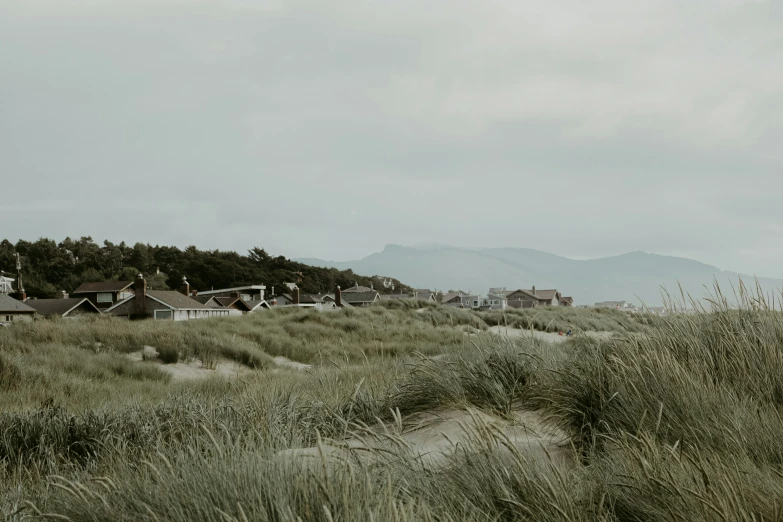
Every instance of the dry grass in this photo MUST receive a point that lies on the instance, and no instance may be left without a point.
(679, 421)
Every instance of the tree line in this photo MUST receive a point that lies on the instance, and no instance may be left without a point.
(49, 267)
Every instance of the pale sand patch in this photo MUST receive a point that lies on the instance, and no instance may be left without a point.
(545, 336)
(191, 370)
(432, 437)
(285, 362)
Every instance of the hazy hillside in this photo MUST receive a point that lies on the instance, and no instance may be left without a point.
(632, 276)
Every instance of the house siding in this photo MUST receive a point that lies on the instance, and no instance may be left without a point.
(115, 297)
(15, 317)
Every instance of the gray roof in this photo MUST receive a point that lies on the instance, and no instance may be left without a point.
(448, 297)
(359, 297)
(9, 304)
(176, 300)
(391, 297)
(356, 289)
(227, 302)
(208, 301)
(49, 307)
(103, 286)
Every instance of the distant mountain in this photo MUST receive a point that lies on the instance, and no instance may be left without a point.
(632, 277)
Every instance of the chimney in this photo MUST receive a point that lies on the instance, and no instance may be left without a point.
(534, 289)
(234, 294)
(20, 293)
(184, 288)
(140, 299)
(194, 293)
(372, 287)
(62, 294)
(295, 295)
(338, 297)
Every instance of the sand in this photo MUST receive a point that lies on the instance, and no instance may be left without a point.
(195, 369)
(545, 336)
(285, 362)
(433, 437)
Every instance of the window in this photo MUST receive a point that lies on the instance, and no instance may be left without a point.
(104, 297)
(9, 318)
(162, 314)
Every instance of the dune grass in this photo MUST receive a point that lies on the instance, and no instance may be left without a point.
(679, 422)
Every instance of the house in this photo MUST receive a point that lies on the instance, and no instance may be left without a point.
(67, 307)
(547, 297)
(257, 306)
(396, 297)
(424, 294)
(452, 299)
(13, 311)
(234, 302)
(105, 294)
(246, 293)
(499, 291)
(567, 301)
(6, 285)
(319, 302)
(165, 305)
(523, 299)
(356, 289)
(617, 305)
(360, 298)
(210, 301)
(497, 301)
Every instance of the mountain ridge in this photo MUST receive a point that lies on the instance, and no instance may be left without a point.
(632, 276)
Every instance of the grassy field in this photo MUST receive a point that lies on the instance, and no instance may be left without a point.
(679, 420)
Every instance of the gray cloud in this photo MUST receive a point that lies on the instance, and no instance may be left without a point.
(582, 128)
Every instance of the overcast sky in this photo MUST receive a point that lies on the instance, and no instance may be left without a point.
(331, 128)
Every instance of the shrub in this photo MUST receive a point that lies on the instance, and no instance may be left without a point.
(168, 354)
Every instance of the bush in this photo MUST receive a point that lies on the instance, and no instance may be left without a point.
(168, 354)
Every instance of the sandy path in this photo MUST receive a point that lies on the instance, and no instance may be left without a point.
(191, 370)
(545, 336)
(433, 437)
(285, 362)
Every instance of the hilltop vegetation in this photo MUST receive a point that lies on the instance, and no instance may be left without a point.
(50, 267)
(676, 420)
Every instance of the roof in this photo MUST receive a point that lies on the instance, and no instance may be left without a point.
(390, 297)
(359, 297)
(236, 289)
(330, 298)
(450, 297)
(499, 291)
(9, 304)
(175, 300)
(103, 286)
(230, 301)
(208, 301)
(356, 289)
(256, 304)
(528, 294)
(544, 295)
(49, 307)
